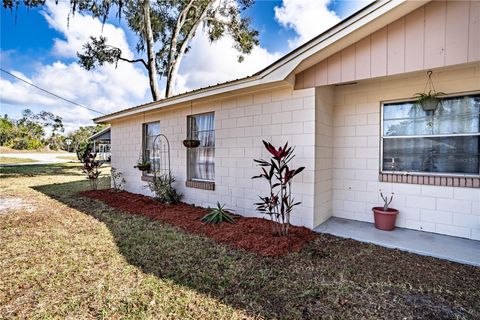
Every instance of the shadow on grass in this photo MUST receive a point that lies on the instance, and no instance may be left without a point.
(32, 170)
(329, 278)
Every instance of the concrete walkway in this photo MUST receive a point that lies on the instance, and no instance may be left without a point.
(424, 243)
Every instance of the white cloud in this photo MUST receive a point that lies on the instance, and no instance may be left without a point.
(308, 18)
(109, 89)
(106, 89)
(210, 63)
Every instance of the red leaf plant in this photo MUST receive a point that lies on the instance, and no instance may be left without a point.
(90, 169)
(279, 203)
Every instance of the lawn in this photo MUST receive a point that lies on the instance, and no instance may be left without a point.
(11, 160)
(73, 158)
(67, 256)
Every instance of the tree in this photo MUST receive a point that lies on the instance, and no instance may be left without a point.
(81, 145)
(7, 131)
(28, 132)
(168, 25)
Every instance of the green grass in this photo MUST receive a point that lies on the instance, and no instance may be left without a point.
(11, 160)
(62, 255)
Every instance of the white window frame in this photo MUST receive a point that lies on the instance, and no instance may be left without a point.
(189, 174)
(144, 141)
(422, 173)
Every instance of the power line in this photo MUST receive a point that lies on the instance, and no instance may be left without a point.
(51, 93)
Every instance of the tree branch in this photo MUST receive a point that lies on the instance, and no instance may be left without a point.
(134, 61)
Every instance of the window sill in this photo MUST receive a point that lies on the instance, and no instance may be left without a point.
(431, 180)
(204, 185)
(147, 178)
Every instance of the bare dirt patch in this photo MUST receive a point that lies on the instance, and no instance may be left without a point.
(251, 234)
(8, 204)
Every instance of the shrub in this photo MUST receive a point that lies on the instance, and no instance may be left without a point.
(162, 186)
(218, 215)
(118, 180)
(84, 148)
(90, 169)
(279, 203)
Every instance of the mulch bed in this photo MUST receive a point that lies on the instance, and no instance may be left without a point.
(251, 234)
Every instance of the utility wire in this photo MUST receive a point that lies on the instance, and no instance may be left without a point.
(51, 93)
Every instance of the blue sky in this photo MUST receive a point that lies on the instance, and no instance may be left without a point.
(39, 46)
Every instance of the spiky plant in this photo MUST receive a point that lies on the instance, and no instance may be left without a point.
(386, 200)
(279, 203)
(218, 215)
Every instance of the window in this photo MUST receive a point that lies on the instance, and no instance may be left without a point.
(446, 141)
(201, 160)
(150, 131)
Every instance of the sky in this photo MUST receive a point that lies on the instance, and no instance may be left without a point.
(40, 46)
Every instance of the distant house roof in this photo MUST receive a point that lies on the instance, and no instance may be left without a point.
(101, 135)
(282, 72)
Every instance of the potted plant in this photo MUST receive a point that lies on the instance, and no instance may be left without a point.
(143, 164)
(429, 101)
(384, 216)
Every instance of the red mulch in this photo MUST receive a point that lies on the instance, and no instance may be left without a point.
(252, 234)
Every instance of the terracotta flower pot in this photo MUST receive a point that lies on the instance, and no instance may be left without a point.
(385, 220)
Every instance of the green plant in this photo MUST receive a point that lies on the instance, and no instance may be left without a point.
(386, 200)
(118, 181)
(162, 187)
(83, 149)
(218, 215)
(90, 169)
(430, 95)
(429, 100)
(143, 164)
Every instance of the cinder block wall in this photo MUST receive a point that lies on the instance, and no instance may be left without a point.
(323, 154)
(241, 123)
(356, 121)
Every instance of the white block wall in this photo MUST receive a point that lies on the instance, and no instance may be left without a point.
(356, 152)
(323, 154)
(241, 123)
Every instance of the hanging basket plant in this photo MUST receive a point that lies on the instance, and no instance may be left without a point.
(191, 143)
(429, 101)
(143, 166)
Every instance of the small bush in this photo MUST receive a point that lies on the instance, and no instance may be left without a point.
(118, 180)
(90, 169)
(162, 186)
(218, 215)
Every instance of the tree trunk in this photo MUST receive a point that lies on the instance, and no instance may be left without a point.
(175, 61)
(152, 67)
(172, 76)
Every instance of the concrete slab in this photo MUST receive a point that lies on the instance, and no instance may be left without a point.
(420, 242)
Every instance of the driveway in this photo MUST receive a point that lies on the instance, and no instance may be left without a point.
(40, 158)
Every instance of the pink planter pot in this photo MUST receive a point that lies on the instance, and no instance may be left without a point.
(385, 220)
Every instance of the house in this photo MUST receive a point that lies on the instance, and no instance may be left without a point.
(346, 101)
(101, 144)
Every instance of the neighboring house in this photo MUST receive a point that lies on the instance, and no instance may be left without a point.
(344, 99)
(101, 144)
